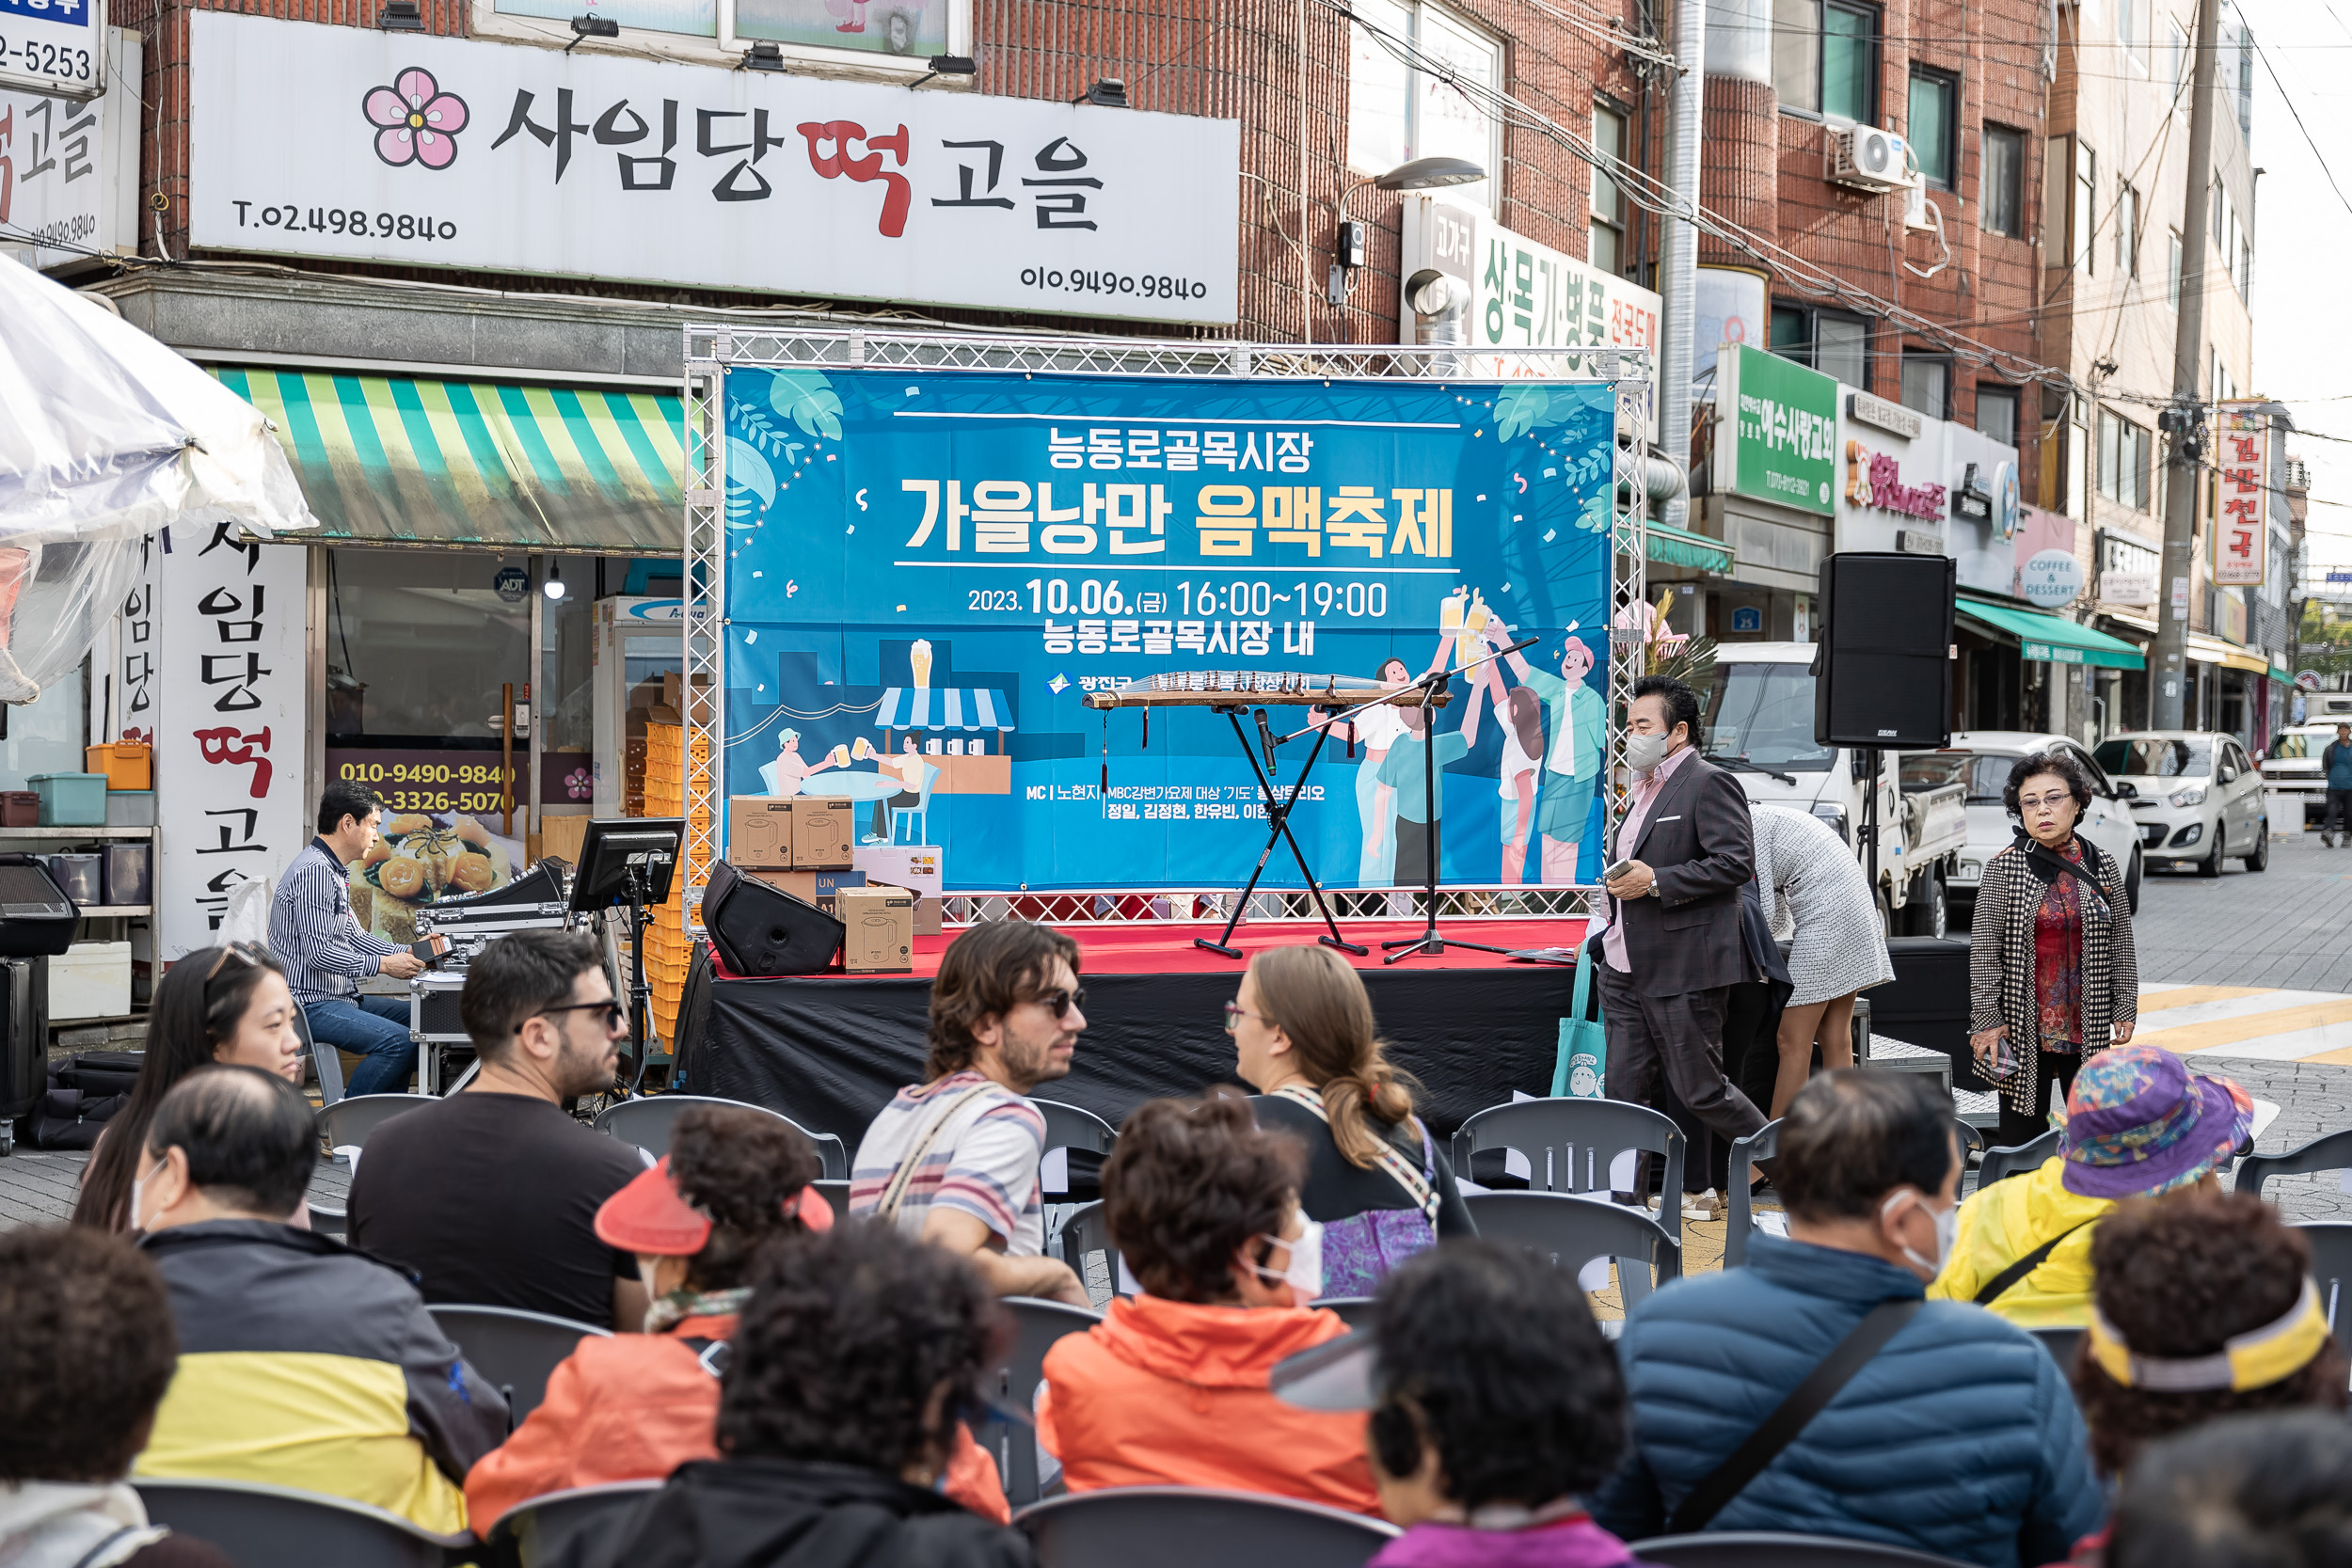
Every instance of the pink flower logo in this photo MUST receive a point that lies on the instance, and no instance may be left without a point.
(417, 121)
(578, 784)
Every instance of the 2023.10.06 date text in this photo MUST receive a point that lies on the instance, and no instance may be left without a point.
(296, 218)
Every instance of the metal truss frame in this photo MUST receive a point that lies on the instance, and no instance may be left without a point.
(712, 351)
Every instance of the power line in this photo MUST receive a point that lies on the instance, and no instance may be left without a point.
(2261, 55)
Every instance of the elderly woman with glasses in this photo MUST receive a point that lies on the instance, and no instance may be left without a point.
(1305, 1040)
(218, 1004)
(2052, 976)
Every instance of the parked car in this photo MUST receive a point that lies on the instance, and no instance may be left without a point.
(2291, 768)
(1980, 760)
(2199, 798)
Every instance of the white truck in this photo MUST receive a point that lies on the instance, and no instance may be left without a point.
(1759, 724)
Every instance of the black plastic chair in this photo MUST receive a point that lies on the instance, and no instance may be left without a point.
(1085, 1233)
(2061, 1343)
(836, 1194)
(276, 1527)
(2331, 1268)
(1572, 1231)
(647, 1122)
(2329, 1151)
(325, 1059)
(534, 1530)
(1036, 1325)
(1183, 1526)
(1355, 1311)
(1570, 1144)
(513, 1349)
(1763, 1549)
(1070, 1126)
(1764, 1144)
(349, 1122)
(1999, 1165)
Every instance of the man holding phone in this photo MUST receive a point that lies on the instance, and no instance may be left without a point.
(1674, 946)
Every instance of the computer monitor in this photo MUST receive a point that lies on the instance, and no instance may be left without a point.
(612, 846)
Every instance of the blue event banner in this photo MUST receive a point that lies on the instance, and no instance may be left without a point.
(928, 571)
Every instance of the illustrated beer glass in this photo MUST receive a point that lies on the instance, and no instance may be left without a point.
(920, 656)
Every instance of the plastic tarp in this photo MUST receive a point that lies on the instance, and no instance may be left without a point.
(106, 436)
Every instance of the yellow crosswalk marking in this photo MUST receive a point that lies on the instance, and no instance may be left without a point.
(2233, 1031)
(2188, 996)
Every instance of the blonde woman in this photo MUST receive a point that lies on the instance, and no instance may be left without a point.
(1304, 1038)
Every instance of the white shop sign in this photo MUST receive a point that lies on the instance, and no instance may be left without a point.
(229, 740)
(68, 168)
(53, 46)
(447, 152)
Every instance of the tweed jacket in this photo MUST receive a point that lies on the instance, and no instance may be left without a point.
(2001, 961)
(1698, 841)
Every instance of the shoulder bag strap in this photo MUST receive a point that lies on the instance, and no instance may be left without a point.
(895, 1195)
(1420, 1189)
(1999, 1283)
(1779, 1429)
(1583, 980)
(2054, 865)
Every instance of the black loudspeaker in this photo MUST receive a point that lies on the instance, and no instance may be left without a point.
(764, 931)
(1882, 676)
(1926, 1002)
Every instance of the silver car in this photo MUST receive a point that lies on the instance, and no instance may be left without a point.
(2198, 798)
(1981, 759)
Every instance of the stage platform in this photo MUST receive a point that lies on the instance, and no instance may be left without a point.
(829, 1049)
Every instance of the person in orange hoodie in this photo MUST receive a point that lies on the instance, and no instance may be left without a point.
(1170, 1388)
(636, 1406)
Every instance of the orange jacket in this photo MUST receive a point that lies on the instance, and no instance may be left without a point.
(635, 1407)
(1175, 1393)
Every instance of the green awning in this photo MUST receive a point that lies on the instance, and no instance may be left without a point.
(1675, 546)
(2051, 637)
(399, 459)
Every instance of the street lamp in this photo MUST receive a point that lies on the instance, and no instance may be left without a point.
(1421, 174)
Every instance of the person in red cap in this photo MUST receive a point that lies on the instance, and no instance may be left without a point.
(636, 1406)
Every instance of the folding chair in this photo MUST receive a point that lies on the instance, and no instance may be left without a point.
(2329, 1151)
(535, 1531)
(1764, 1144)
(1571, 1231)
(1036, 1325)
(1181, 1527)
(1999, 1165)
(1085, 1233)
(514, 1348)
(1761, 1549)
(2331, 1269)
(1355, 1311)
(349, 1122)
(2061, 1343)
(649, 1121)
(260, 1526)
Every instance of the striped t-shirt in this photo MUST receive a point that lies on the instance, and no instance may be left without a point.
(984, 1161)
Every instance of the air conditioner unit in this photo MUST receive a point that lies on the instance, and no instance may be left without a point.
(1866, 158)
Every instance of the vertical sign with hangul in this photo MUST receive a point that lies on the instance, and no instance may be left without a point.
(2242, 454)
(227, 643)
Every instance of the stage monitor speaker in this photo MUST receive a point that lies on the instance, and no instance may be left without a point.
(762, 931)
(1882, 676)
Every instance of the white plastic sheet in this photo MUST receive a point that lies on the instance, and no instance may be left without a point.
(107, 435)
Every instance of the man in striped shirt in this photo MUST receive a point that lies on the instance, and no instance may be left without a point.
(1004, 1018)
(312, 931)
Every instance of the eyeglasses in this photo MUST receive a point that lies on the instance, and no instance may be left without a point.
(1059, 1003)
(1235, 1010)
(243, 952)
(2028, 802)
(612, 1008)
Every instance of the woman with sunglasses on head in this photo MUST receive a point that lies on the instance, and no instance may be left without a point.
(1170, 1388)
(1305, 1040)
(228, 1004)
(2052, 977)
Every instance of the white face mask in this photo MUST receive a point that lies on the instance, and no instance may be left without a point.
(1947, 1222)
(138, 1197)
(1305, 1274)
(1643, 753)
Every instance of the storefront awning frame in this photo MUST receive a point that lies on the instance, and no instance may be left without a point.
(2051, 637)
(1673, 546)
(2211, 650)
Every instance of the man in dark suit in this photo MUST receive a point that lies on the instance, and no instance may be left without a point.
(1675, 947)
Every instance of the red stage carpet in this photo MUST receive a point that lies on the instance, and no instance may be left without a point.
(1167, 949)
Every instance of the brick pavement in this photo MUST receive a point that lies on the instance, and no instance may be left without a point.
(2289, 926)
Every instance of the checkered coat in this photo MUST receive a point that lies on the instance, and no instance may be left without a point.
(2001, 961)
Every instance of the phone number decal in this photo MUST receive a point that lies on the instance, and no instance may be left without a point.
(1086, 280)
(355, 221)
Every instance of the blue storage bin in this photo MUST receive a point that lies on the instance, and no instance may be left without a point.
(71, 800)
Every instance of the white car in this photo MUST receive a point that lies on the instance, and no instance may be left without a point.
(2292, 768)
(1981, 760)
(2198, 800)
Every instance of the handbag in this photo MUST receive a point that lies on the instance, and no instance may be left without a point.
(1359, 1251)
(1581, 1066)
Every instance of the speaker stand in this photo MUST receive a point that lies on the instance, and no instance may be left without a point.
(1869, 831)
(640, 993)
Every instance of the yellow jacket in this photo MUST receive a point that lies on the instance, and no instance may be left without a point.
(2007, 1220)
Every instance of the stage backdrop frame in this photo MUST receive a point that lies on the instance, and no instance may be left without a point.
(712, 350)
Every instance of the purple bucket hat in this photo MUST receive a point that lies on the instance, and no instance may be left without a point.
(2138, 1123)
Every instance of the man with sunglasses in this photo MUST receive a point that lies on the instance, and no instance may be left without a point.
(955, 1159)
(490, 1196)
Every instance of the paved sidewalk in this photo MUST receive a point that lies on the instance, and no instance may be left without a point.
(2288, 927)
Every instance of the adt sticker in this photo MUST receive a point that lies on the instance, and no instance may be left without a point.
(513, 583)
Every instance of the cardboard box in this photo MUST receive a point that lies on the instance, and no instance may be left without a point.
(878, 935)
(918, 869)
(759, 832)
(824, 833)
(819, 888)
(929, 915)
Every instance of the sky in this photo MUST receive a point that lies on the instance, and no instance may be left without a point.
(2302, 307)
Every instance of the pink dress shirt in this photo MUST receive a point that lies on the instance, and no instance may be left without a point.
(1645, 792)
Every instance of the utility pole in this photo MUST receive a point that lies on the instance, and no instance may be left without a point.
(1679, 282)
(2184, 421)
